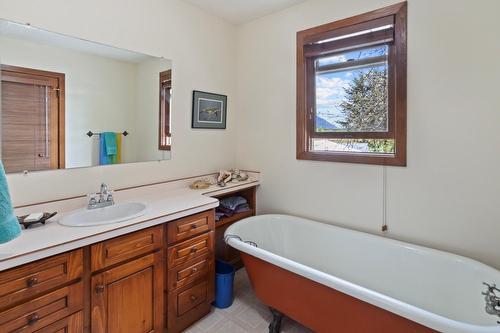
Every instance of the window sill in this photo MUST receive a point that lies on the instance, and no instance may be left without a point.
(361, 158)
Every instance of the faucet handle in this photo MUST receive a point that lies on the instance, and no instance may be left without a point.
(109, 197)
(91, 200)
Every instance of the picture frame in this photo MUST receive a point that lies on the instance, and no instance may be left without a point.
(209, 110)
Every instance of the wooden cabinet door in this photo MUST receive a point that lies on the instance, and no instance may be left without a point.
(129, 298)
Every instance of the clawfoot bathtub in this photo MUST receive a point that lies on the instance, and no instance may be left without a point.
(333, 279)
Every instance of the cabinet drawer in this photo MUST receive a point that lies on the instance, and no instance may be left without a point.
(190, 249)
(126, 247)
(71, 324)
(23, 282)
(43, 311)
(187, 305)
(190, 226)
(191, 297)
(190, 271)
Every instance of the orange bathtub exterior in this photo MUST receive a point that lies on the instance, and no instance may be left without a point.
(318, 307)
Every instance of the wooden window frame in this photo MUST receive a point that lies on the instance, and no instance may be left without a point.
(164, 134)
(396, 86)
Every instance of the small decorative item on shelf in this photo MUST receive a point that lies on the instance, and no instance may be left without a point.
(238, 175)
(200, 184)
(224, 178)
(42, 220)
(232, 175)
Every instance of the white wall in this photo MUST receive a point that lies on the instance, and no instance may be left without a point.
(100, 95)
(448, 196)
(169, 28)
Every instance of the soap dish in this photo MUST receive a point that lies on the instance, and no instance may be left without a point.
(44, 219)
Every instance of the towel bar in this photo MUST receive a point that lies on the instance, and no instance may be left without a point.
(90, 133)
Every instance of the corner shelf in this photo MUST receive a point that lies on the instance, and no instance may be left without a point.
(234, 218)
(222, 250)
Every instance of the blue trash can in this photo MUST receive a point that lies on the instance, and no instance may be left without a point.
(224, 278)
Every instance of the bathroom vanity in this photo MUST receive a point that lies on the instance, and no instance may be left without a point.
(105, 283)
(143, 275)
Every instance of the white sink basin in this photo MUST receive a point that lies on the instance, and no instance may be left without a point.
(106, 215)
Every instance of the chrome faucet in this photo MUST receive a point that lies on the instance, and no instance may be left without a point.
(102, 199)
(492, 300)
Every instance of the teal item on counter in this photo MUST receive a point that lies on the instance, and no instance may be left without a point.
(9, 225)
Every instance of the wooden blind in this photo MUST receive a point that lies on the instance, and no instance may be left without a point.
(371, 33)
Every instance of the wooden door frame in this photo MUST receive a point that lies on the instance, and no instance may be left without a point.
(61, 81)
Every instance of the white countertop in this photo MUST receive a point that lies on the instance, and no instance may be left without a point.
(165, 203)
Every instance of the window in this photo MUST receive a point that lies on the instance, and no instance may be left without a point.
(351, 89)
(164, 136)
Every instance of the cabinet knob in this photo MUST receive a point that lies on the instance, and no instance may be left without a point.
(194, 270)
(99, 288)
(33, 318)
(194, 226)
(32, 281)
(193, 250)
(193, 298)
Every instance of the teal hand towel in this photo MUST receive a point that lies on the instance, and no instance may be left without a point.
(9, 226)
(110, 142)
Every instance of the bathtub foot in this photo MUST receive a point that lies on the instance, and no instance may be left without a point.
(275, 325)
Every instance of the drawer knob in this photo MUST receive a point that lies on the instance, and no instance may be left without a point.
(33, 318)
(193, 250)
(32, 281)
(194, 270)
(194, 226)
(193, 298)
(99, 289)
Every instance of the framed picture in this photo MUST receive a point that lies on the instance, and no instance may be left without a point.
(209, 110)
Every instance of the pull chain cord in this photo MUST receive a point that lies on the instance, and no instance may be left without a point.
(385, 228)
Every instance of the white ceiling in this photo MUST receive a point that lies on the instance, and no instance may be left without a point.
(241, 11)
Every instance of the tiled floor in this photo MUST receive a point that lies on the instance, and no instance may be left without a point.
(247, 314)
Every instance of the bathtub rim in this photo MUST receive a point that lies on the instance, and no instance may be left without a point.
(388, 303)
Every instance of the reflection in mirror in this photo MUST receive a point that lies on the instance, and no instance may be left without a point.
(165, 91)
(68, 103)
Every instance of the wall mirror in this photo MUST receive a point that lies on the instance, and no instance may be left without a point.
(69, 103)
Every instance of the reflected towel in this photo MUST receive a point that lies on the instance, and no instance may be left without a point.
(103, 157)
(118, 148)
(9, 226)
(109, 142)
